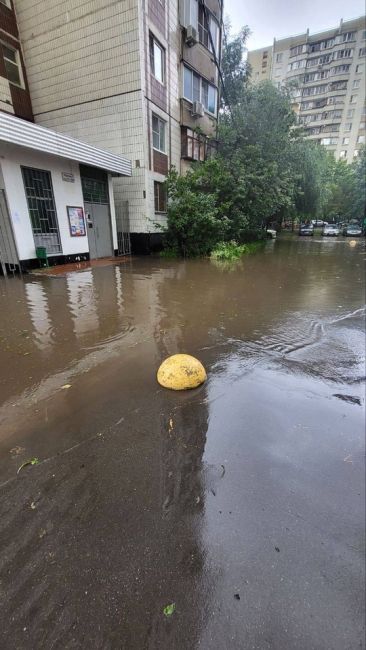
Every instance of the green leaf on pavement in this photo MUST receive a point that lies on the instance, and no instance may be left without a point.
(169, 609)
(31, 461)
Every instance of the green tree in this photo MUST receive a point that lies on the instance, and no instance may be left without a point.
(234, 68)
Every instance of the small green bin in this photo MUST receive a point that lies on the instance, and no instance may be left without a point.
(41, 252)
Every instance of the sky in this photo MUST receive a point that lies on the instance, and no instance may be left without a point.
(280, 18)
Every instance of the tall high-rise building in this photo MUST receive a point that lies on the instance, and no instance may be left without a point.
(133, 76)
(328, 73)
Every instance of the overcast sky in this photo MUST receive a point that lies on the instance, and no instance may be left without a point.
(280, 18)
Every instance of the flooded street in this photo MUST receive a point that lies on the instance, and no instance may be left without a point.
(242, 502)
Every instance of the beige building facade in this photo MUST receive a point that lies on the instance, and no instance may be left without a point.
(328, 73)
(133, 76)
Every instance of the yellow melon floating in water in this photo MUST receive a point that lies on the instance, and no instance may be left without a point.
(181, 372)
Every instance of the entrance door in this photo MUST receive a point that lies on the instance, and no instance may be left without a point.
(99, 230)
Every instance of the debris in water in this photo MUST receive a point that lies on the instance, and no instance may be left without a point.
(65, 386)
(31, 461)
(169, 609)
(348, 398)
(15, 451)
(277, 549)
(237, 596)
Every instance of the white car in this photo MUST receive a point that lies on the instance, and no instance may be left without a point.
(331, 230)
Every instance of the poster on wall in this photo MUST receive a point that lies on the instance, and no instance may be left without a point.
(76, 221)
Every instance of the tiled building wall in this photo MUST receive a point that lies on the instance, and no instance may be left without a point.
(14, 99)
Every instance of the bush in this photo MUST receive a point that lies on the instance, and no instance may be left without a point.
(230, 251)
(193, 226)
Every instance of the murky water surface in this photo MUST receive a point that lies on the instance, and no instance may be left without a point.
(241, 502)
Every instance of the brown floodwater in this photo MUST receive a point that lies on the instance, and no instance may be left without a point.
(241, 502)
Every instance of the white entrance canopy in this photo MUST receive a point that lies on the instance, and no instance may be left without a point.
(26, 134)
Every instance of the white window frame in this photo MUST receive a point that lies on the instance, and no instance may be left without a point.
(356, 84)
(345, 140)
(347, 126)
(188, 11)
(17, 63)
(343, 154)
(361, 139)
(161, 132)
(153, 46)
(211, 89)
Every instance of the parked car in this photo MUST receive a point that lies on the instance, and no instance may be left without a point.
(271, 233)
(306, 229)
(331, 230)
(318, 223)
(353, 230)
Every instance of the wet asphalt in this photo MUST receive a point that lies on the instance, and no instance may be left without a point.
(241, 502)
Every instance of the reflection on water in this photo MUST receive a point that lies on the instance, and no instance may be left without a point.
(277, 300)
(82, 302)
(37, 302)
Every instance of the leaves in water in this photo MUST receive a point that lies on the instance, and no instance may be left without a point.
(169, 609)
(65, 386)
(31, 461)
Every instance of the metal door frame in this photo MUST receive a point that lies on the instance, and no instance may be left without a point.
(91, 203)
(12, 244)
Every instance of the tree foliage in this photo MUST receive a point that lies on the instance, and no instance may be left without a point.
(264, 170)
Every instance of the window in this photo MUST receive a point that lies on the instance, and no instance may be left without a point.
(160, 201)
(265, 55)
(340, 69)
(329, 128)
(157, 59)
(215, 34)
(363, 110)
(295, 65)
(356, 84)
(345, 141)
(42, 209)
(353, 99)
(343, 154)
(350, 112)
(314, 90)
(196, 146)
(348, 126)
(362, 126)
(343, 54)
(338, 85)
(279, 57)
(356, 153)
(158, 131)
(364, 35)
(361, 139)
(362, 51)
(299, 49)
(346, 37)
(12, 65)
(359, 68)
(189, 13)
(197, 89)
(337, 99)
(328, 141)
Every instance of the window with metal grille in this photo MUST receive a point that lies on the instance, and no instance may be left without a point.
(94, 191)
(42, 209)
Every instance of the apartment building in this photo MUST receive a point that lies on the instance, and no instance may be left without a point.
(56, 192)
(327, 71)
(132, 76)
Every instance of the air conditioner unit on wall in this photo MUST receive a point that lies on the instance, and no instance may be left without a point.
(191, 36)
(198, 109)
